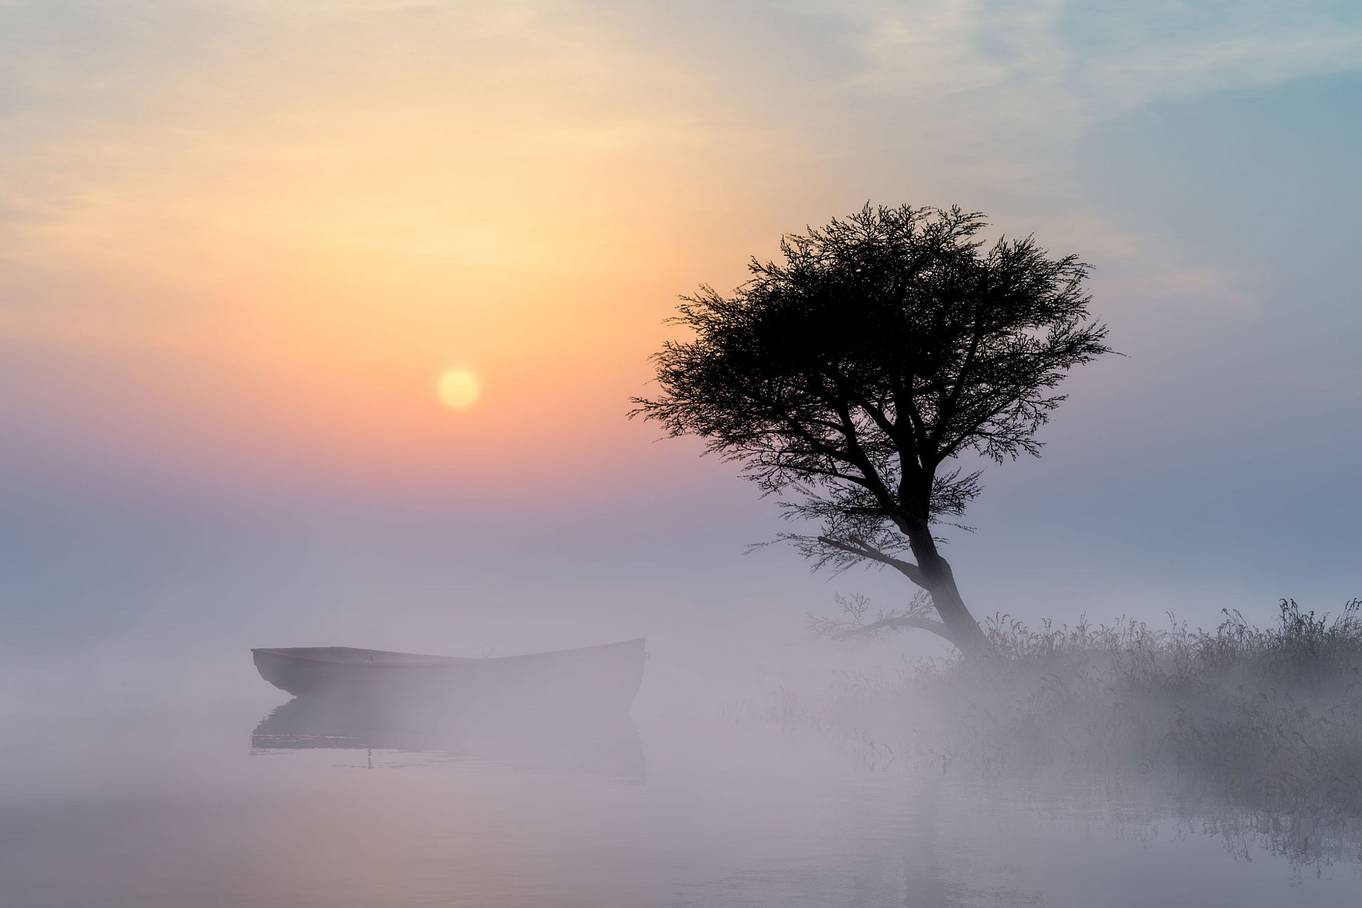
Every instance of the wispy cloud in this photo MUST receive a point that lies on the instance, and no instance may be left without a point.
(1066, 63)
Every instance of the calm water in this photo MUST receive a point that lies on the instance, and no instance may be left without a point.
(176, 812)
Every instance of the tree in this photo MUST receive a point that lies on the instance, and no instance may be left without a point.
(850, 378)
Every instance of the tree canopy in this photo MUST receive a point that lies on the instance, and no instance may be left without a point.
(849, 376)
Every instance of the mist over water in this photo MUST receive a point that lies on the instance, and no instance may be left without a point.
(730, 785)
(760, 766)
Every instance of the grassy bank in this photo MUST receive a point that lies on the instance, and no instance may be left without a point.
(1270, 718)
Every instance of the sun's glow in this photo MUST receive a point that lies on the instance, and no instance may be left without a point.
(459, 389)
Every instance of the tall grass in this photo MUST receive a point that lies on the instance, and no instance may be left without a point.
(1270, 718)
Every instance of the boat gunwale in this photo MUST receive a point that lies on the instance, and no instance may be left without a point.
(316, 654)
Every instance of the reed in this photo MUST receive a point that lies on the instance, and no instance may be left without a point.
(1269, 717)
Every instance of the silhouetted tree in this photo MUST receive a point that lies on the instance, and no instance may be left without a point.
(849, 377)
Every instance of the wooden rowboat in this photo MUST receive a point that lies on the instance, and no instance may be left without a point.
(596, 680)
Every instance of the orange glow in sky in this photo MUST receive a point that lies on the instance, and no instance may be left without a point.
(264, 263)
(459, 389)
(247, 250)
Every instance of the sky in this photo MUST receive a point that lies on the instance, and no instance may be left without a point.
(241, 242)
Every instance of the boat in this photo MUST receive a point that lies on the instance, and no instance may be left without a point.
(589, 681)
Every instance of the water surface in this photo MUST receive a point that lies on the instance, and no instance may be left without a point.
(173, 811)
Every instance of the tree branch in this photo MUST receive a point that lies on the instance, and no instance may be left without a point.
(952, 399)
(895, 622)
(862, 550)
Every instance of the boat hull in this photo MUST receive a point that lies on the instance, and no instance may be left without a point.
(596, 680)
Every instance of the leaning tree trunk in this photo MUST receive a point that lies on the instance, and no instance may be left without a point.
(962, 629)
(965, 632)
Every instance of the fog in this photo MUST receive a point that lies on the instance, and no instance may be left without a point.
(144, 761)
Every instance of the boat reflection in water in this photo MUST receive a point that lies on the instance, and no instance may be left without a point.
(560, 711)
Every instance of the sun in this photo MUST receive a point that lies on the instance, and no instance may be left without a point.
(459, 389)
